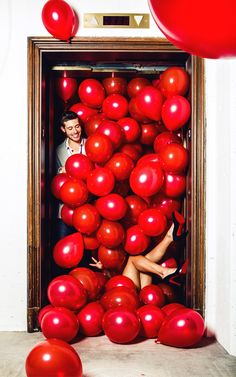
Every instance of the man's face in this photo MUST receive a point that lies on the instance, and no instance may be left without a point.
(72, 129)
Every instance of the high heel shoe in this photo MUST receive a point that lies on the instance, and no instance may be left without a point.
(179, 221)
(178, 274)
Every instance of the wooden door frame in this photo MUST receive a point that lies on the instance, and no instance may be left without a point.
(37, 46)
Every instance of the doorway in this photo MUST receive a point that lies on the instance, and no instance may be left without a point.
(86, 57)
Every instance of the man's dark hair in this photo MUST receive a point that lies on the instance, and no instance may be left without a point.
(68, 115)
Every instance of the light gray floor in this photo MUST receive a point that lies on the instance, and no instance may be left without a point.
(101, 358)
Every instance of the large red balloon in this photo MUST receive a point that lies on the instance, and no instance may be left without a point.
(93, 123)
(60, 323)
(67, 291)
(120, 297)
(120, 281)
(86, 219)
(53, 357)
(113, 131)
(112, 206)
(152, 294)
(69, 251)
(83, 111)
(152, 221)
(174, 185)
(179, 21)
(175, 112)
(121, 325)
(99, 148)
(182, 328)
(91, 92)
(121, 165)
(66, 87)
(174, 158)
(131, 129)
(110, 233)
(174, 81)
(151, 318)
(149, 131)
(149, 100)
(88, 279)
(74, 193)
(136, 112)
(136, 84)
(115, 106)
(90, 319)
(165, 138)
(59, 19)
(57, 182)
(111, 259)
(78, 166)
(101, 181)
(115, 85)
(146, 180)
(136, 240)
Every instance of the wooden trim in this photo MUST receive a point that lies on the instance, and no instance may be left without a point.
(37, 47)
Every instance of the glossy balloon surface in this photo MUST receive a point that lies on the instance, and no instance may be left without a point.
(111, 259)
(175, 112)
(166, 205)
(86, 218)
(151, 318)
(78, 166)
(174, 185)
(110, 233)
(83, 111)
(57, 182)
(152, 221)
(93, 123)
(174, 81)
(131, 129)
(66, 87)
(136, 240)
(121, 165)
(115, 85)
(120, 281)
(74, 192)
(43, 311)
(115, 106)
(136, 206)
(67, 214)
(146, 180)
(88, 279)
(112, 130)
(149, 131)
(174, 158)
(136, 84)
(120, 296)
(90, 319)
(69, 250)
(152, 294)
(165, 138)
(112, 206)
(99, 148)
(101, 181)
(149, 101)
(91, 93)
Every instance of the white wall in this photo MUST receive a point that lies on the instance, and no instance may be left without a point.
(22, 18)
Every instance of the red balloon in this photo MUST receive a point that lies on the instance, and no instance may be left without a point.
(69, 251)
(151, 318)
(179, 21)
(166, 205)
(149, 131)
(182, 328)
(67, 214)
(57, 182)
(170, 308)
(43, 311)
(66, 87)
(115, 85)
(152, 221)
(90, 242)
(74, 192)
(91, 92)
(120, 281)
(164, 139)
(53, 357)
(88, 279)
(149, 157)
(112, 130)
(136, 205)
(78, 166)
(115, 106)
(99, 148)
(101, 181)
(136, 241)
(111, 259)
(93, 123)
(121, 325)
(136, 84)
(146, 180)
(83, 111)
(60, 323)
(169, 293)
(175, 112)
(136, 112)
(174, 81)
(174, 185)
(131, 129)
(59, 19)
(90, 319)
(86, 219)
(112, 207)
(149, 100)
(67, 291)
(110, 233)
(174, 158)
(152, 294)
(121, 165)
(120, 297)
(131, 151)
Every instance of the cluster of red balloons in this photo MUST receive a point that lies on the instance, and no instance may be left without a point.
(59, 19)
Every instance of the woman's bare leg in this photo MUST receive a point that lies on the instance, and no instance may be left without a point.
(157, 253)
